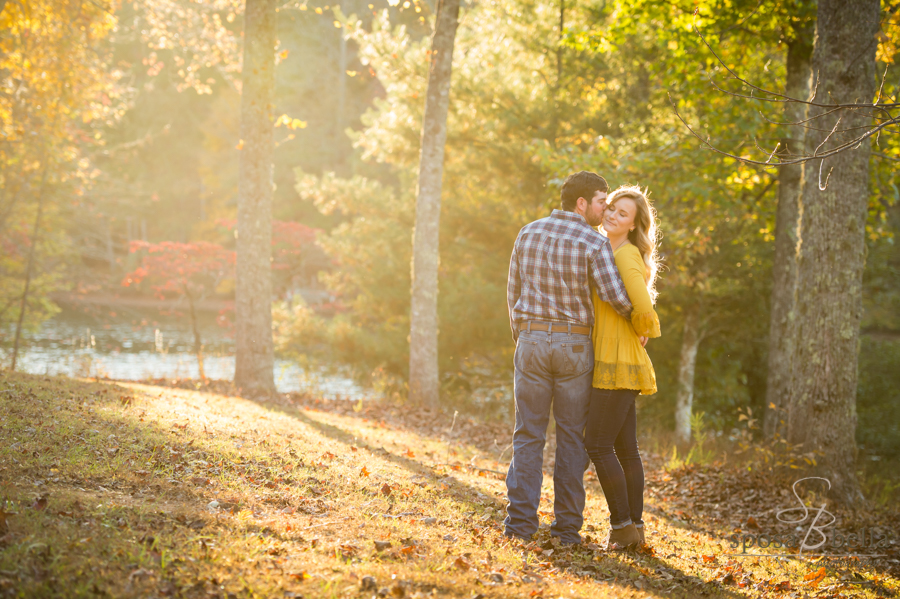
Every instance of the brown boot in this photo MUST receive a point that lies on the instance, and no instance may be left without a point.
(641, 533)
(623, 538)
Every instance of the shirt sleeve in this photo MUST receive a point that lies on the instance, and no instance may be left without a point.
(632, 268)
(513, 291)
(609, 285)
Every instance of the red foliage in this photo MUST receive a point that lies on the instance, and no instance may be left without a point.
(288, 239)
(182, 268)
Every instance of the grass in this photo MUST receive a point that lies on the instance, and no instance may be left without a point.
(127, 490)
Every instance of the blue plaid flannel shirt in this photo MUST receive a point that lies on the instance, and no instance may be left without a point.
(554, 263)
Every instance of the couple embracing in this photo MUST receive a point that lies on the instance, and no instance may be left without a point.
(581, 311)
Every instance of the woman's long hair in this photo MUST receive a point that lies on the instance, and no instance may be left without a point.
(646, 234)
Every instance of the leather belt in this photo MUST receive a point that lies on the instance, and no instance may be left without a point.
(556, 328)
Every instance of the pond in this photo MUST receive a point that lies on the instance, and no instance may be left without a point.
(136, 345)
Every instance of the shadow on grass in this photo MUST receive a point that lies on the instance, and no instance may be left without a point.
(621, 572)
(463, 490)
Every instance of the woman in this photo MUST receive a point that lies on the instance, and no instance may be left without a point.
(622, 368)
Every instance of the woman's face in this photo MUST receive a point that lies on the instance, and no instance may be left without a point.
(619, 217)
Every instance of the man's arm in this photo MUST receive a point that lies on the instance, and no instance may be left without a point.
(609, 284)
(513, 290)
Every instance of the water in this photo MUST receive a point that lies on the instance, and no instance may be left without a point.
(136, 345)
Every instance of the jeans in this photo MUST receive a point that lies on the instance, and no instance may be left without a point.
(611, 442)
(552, 369)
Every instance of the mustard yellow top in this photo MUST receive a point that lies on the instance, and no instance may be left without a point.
(620, 362)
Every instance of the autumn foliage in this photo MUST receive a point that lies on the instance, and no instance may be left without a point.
(189, 269)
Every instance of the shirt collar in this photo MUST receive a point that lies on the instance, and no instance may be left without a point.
(566, 215)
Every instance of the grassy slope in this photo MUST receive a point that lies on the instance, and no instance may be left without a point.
(110, 485)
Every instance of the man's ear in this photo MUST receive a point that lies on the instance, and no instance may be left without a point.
(581, 204)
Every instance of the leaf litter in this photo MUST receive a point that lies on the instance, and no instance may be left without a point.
(283, 490)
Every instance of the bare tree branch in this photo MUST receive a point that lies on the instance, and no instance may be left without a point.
(801, 159)
(879, 113)
(780, 97)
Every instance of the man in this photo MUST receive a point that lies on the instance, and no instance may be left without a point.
(555, 262)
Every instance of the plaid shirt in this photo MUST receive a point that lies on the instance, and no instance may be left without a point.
(553, 264)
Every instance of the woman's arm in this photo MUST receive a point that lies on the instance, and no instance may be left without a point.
(631, 269)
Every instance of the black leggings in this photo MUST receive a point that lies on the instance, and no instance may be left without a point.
(611, 442)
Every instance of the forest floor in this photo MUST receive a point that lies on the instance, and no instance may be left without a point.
(131, 490)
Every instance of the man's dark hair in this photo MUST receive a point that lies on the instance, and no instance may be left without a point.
(583, 184)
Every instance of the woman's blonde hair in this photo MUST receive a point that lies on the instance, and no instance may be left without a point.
(645, 235)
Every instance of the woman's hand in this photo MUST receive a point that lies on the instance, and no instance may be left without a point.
(643, 341)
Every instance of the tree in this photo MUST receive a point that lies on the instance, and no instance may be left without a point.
(691, 337)
(822, 413)
(58, 96)
(787, 222)
(843, 117)
(424, 382)
(254, 354)
(188, 270)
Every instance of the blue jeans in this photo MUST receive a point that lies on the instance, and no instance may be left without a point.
(611, 442)
(552, 369)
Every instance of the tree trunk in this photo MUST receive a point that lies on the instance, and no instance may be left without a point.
(198, 344)
(832, 248)
(423, 329)
(784, 263)
(30, 268)
(342, 86)
(254, 360)
(690, 343)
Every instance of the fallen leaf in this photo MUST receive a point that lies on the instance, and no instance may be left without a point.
(4, 526)
(784, 585)
(461, 563)
(368, 583)
(409, 453)
(709, 559)
(385, 489)
(299, 576)
(751, 523)
(814, 578)
(140, 573)
(382, 545)
(364, 472)
(41, 502)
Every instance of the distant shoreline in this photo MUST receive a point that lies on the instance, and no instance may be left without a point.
(72, 299)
